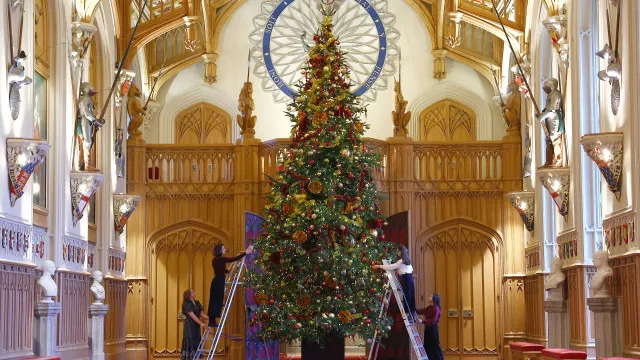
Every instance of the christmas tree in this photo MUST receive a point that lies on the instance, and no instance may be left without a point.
(322, 231)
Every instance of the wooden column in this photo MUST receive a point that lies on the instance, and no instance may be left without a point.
(513, 300)
(401, 178)
(246, 198)
(138, 301)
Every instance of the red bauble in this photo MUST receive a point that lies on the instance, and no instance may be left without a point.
(275, 258)
(381, 237)
(351, 176)
(368, 321)
(317, 292)
(339, 296)
(271, 302)
(364, 259)
(311, 162)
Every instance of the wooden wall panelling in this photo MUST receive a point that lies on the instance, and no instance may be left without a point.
(114, 322)
(624, 285)
(577, 306)
(535, 317)
(136, 269)
(16, 317)
(73, 331)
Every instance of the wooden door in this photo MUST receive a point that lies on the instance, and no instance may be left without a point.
(459, 260)
(180, 258)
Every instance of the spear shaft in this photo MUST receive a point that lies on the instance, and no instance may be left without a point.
(124, 57)
(515, 57)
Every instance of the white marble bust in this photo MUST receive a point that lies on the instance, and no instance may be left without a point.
(556, 276)
(46, 282)
(96, 288)
(603, 271)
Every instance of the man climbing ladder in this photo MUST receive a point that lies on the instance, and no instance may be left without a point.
(409, 321)
(214, 333)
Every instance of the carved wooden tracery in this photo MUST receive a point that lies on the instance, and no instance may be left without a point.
(203, 124)
(447, 120)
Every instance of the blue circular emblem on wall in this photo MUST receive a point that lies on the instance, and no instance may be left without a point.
(364, 84)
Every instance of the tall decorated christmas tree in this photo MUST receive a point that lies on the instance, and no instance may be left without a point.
(322, 232)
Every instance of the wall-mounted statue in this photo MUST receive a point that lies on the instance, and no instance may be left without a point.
(96, 288)
(400, 115)
(135, 111)
(552, 118)
(16, 79)
(554, 281)
(603, 271)
(47, 284)
(511, 109)
(87, 126)
(246, 120)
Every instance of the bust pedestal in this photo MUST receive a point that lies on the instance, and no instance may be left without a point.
(607, 326)
(97, 311)
(45, 332)
(556, 307)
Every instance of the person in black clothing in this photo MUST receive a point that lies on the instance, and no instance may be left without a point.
(192, 310)
(216, 292)
(431, 331)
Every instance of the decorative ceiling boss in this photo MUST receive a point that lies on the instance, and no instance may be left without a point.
(284, 33)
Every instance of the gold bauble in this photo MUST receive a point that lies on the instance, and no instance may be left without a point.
(315, 187)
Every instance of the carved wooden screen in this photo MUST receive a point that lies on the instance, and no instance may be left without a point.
(203, 124)
(447, 120)
(181, 258)
(459, 261)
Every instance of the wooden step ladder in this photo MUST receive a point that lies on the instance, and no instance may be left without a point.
(213, 334)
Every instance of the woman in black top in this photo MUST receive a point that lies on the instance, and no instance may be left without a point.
(216, 292)
(192, 310)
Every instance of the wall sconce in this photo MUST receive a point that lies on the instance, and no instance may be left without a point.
(556, 181)
(23, 155)
(453, 37)
(123, 206)
(606, 151)
(83, 185)
(192, 35)
(524, 202)
(81, 36)
(124, 84)
(557, 28)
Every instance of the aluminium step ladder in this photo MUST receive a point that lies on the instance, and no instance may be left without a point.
(213, 334)
(409, 321)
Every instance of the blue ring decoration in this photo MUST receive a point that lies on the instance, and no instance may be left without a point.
(266, 48)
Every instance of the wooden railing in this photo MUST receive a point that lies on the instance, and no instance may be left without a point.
(184, 164)
(458, 167)
(438, 167)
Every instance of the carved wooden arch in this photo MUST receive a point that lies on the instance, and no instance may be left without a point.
(206, 122)
(168, 238)
(493, 240)
(421, 8)
(449, 117)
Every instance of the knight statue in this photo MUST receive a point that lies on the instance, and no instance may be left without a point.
(87, 126)
(553, 120)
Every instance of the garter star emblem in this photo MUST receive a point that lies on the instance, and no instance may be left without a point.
(284, 32)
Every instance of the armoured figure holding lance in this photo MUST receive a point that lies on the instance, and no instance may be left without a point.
(553, 119)
(87, 125)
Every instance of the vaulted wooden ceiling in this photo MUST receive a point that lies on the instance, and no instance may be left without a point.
(176, 34)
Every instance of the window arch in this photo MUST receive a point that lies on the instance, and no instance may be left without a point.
(447, 120)
(203, 123)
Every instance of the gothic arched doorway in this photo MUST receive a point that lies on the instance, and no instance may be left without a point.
(461, 261)
(179, 258)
